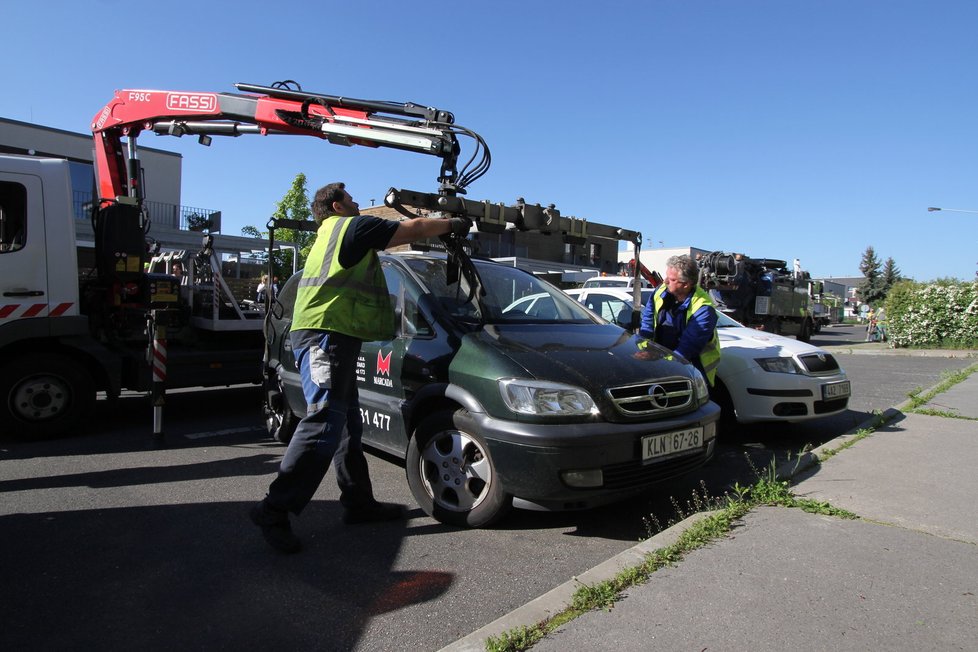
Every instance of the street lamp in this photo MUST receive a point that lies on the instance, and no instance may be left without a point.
(931, 209)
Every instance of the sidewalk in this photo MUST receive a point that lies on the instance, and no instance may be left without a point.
(903, 576)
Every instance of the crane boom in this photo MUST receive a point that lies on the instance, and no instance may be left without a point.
(266, 110)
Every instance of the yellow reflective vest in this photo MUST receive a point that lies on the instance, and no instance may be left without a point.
(353, 301)
(709, 357)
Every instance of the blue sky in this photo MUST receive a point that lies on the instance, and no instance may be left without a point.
(776, 128)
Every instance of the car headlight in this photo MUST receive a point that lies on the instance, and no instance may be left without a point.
(699, 386)
(779, 365)
(541, 397)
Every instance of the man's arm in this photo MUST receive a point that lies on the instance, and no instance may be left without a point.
(647, 327)
(421, 228)
(697, 333)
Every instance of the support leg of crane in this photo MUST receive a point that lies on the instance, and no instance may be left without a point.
(159, 380)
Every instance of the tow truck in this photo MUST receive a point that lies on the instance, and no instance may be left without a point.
(761, 292)
(131, 325)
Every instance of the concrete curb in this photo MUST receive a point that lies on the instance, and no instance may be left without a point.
(559, 598)
(871, 349)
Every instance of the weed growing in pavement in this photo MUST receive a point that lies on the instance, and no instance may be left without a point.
(944, 413)
(768, 490)
(951, 379)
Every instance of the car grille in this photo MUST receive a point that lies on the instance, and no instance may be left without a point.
(660, 397)
(819, 364)
(628, 475)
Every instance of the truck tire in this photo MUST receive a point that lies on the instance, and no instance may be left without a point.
(452, 475)
(45, 395)
(805, 331)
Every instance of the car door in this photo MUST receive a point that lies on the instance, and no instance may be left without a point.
(389, 372)
(23, 257)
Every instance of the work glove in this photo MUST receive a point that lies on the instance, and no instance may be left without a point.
(460, 225)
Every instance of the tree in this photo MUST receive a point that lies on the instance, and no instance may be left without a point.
(891, 275)
(294, 205)
(871, 290)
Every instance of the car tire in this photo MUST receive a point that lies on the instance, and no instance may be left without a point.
(45, 395)
(452, 475)
(280, 420)
(720, 395)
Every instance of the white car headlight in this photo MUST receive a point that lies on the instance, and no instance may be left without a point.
(779, 365)
(699, 386)
(540, 397)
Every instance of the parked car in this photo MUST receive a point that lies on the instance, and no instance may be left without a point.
(614, 306)
(627, 282)
(491, 401)
(762, 376)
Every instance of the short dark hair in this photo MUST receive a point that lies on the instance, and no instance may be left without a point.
(322, 203)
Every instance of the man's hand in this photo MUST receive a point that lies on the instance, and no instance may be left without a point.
(460, 225)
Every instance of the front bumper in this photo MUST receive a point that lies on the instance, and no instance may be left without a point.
(764, 396)
(530, 458)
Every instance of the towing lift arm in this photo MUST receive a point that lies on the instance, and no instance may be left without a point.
(283, 108)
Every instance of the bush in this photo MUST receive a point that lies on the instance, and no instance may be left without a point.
(942, 314)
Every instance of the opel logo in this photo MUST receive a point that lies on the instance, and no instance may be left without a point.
(659, 396)
(821, 356)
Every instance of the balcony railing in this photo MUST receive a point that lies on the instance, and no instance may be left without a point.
(160, 213)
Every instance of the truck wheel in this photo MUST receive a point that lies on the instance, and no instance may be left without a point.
(46, 395)
(804, 331)
(452, 475)
(280, 420)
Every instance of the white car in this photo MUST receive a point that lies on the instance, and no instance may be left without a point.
(627, 282)
(762, 376)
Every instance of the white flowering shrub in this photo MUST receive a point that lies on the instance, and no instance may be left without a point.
(942, 314)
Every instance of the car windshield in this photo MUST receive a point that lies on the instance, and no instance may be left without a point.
(724, 321)
(606, 283)
(510, 295)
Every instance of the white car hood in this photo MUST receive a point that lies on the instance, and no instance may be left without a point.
(751, 338)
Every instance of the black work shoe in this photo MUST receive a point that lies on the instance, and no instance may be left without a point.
(275, 527)
(373, 512)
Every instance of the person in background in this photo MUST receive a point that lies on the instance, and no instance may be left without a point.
(341, 302)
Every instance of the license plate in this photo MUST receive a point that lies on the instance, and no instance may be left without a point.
(836, 390)
(671, 442)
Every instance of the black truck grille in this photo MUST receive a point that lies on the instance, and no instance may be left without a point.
(819, 363)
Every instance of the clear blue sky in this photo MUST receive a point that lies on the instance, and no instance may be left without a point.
(777, 128)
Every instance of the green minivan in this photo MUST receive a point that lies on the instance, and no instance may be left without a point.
(498, 390)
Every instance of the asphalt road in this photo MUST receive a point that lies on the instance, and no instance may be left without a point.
(110, 544)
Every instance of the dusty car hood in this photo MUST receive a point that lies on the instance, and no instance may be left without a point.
(591, 356)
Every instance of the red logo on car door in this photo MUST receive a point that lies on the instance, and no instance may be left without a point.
(384, 363)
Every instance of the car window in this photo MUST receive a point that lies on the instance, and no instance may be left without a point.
(285, 299)
(404, 298)
(507, 294)
(456, 299)
(13, 216)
